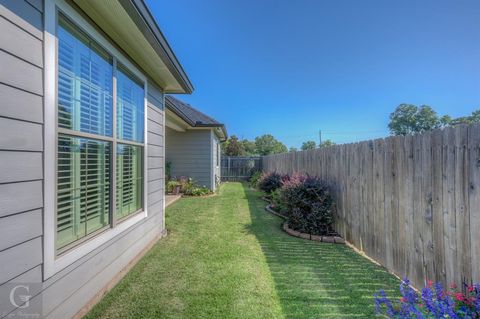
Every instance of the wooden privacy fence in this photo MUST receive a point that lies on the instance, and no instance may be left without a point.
(239, 168)
(412, 203)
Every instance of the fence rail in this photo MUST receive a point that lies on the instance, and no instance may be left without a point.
(239, 168)
(412, 203)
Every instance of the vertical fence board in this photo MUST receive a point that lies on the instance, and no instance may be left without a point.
(418, 220)
(462, 215)
(389, 219)
(427, 205)
(409, 209)
(437, 207)
(474, 198)
(448, 186)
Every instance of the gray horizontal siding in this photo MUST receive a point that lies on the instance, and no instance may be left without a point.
(20, 104)
(190, 154)
(154, 174)
(21, 142)
(20, 258)
(33, 275)
(14, 40)
(20, 228)
(20, 74)
(20, 166)
(155, 114)
(62, 299)
(20, 197)
(99, 280)
(20, 136)
(155, 150)
(216, 164)
(156, 185)
(155, 96)
(24, 14)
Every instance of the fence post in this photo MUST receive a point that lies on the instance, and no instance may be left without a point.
(229, 171)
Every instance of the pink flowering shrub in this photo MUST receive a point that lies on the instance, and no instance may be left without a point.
(308, 204)
(269, 182)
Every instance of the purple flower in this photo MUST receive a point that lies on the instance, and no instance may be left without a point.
(434, 302)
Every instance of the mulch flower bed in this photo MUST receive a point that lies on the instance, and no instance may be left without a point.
(333, 238)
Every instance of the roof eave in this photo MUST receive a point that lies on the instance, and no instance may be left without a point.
(141, 15)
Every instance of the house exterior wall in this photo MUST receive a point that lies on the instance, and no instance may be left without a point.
(22, 181)
(190, 154)
(217, 160)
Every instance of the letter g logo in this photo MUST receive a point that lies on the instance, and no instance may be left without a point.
(25, 299)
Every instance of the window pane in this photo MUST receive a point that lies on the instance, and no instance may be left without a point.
(83, 187)
(129, 179)
(130, 106)
(85, 83)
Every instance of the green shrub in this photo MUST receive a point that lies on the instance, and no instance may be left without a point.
(168, 170)
(255, 178)
(308, 204)
(277, 201)
(198, 191)
(186, 183)
(270, 182)
(171, 185)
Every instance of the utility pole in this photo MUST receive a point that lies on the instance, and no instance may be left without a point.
(319, 138)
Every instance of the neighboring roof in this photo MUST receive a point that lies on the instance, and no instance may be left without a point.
(192, 116)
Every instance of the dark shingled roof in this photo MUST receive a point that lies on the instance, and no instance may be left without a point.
(190, 115)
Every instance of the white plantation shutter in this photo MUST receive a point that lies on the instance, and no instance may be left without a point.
(130, 105)
(129, 179)
(85, 84)
(83, 187)
(85, 140)
(130, 127)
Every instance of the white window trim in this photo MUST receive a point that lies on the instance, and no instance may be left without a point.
(53, 264)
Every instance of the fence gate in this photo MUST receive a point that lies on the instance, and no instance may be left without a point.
(239, 168)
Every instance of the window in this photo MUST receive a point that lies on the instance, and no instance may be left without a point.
(99, 157)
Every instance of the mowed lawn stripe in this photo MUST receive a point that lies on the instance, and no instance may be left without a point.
(225, 257)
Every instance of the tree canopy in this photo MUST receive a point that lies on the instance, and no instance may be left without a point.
(410, 119)
(308, 145)
(327, 143)
(233, 147)
(267, 145)
(263, 145)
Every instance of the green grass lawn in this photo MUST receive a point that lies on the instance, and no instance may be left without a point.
(225, 257)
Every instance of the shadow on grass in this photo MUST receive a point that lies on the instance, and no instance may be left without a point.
(316, 280)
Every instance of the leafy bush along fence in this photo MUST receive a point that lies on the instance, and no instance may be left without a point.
(304, 201)
(410, 202)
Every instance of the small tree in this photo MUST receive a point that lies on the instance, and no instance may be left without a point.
(233, 147)
(249, 147)
(308, 145)
(267, 145)
(327, 143)
(409, 119)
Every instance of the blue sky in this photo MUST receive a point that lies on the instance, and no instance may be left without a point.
(290, 68)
